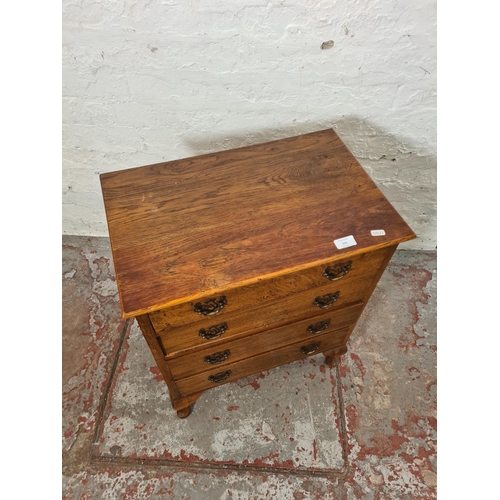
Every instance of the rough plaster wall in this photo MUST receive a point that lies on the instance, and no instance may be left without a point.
(148, 81)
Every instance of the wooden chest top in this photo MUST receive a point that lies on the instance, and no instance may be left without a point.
(185, 229)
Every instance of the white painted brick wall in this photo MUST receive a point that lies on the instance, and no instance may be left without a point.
(147, 81)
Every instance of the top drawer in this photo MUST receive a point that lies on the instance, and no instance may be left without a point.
(268, 290)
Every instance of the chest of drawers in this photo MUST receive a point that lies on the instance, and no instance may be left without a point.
(240, 261)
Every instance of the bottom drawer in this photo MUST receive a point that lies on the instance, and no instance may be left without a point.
(256, 364)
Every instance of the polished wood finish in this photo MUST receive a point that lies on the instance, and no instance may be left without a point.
(185, 412)
(228, 259)
(250, 345)
(266, 291)
(261, 362)
(158, 355)
(179, 402)
(332, 357)
(292, 308)
(200, 226)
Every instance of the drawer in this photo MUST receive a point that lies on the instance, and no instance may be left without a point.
(298, 306)
(292, 352)
(251, 345)
(271, 289)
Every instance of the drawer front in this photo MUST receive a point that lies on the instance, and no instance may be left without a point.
(220, 305)
(299, 306)
(259, 343)
(234, 371)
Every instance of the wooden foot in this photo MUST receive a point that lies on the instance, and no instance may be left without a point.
(185, 405)
(185, 412)
(332, 357)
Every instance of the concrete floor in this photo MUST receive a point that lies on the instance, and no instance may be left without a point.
(363, 430)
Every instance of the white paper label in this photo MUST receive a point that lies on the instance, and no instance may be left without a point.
(378, 232)
(347, 241)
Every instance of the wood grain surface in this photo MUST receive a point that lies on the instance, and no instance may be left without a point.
(249, 366)
(267, 315)
(190, 228)
(262, 342)
(266, 291)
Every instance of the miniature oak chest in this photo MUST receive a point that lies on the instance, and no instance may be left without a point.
(243, 260)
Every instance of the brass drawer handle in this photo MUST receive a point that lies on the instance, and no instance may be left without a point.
(327, 300)
(218, 357)
(213, 332)
(310, 349)
(318, 327)
(219, 377)
(338, 271)
(211, 306)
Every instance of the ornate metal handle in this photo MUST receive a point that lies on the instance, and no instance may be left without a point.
(218, 357)
(318, 327)
(211, 306)
(327, 300)
(337, 271)
(219, 377)
(311, 348)
(213, 332)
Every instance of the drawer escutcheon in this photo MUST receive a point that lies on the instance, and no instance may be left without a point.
(211, 306)
(338, 271)
(218, 357)
(213, 332)
(327, 300)
(219, 377)
(310, 349)
(319, 327)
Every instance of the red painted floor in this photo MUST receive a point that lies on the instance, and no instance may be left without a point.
(363, 430)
